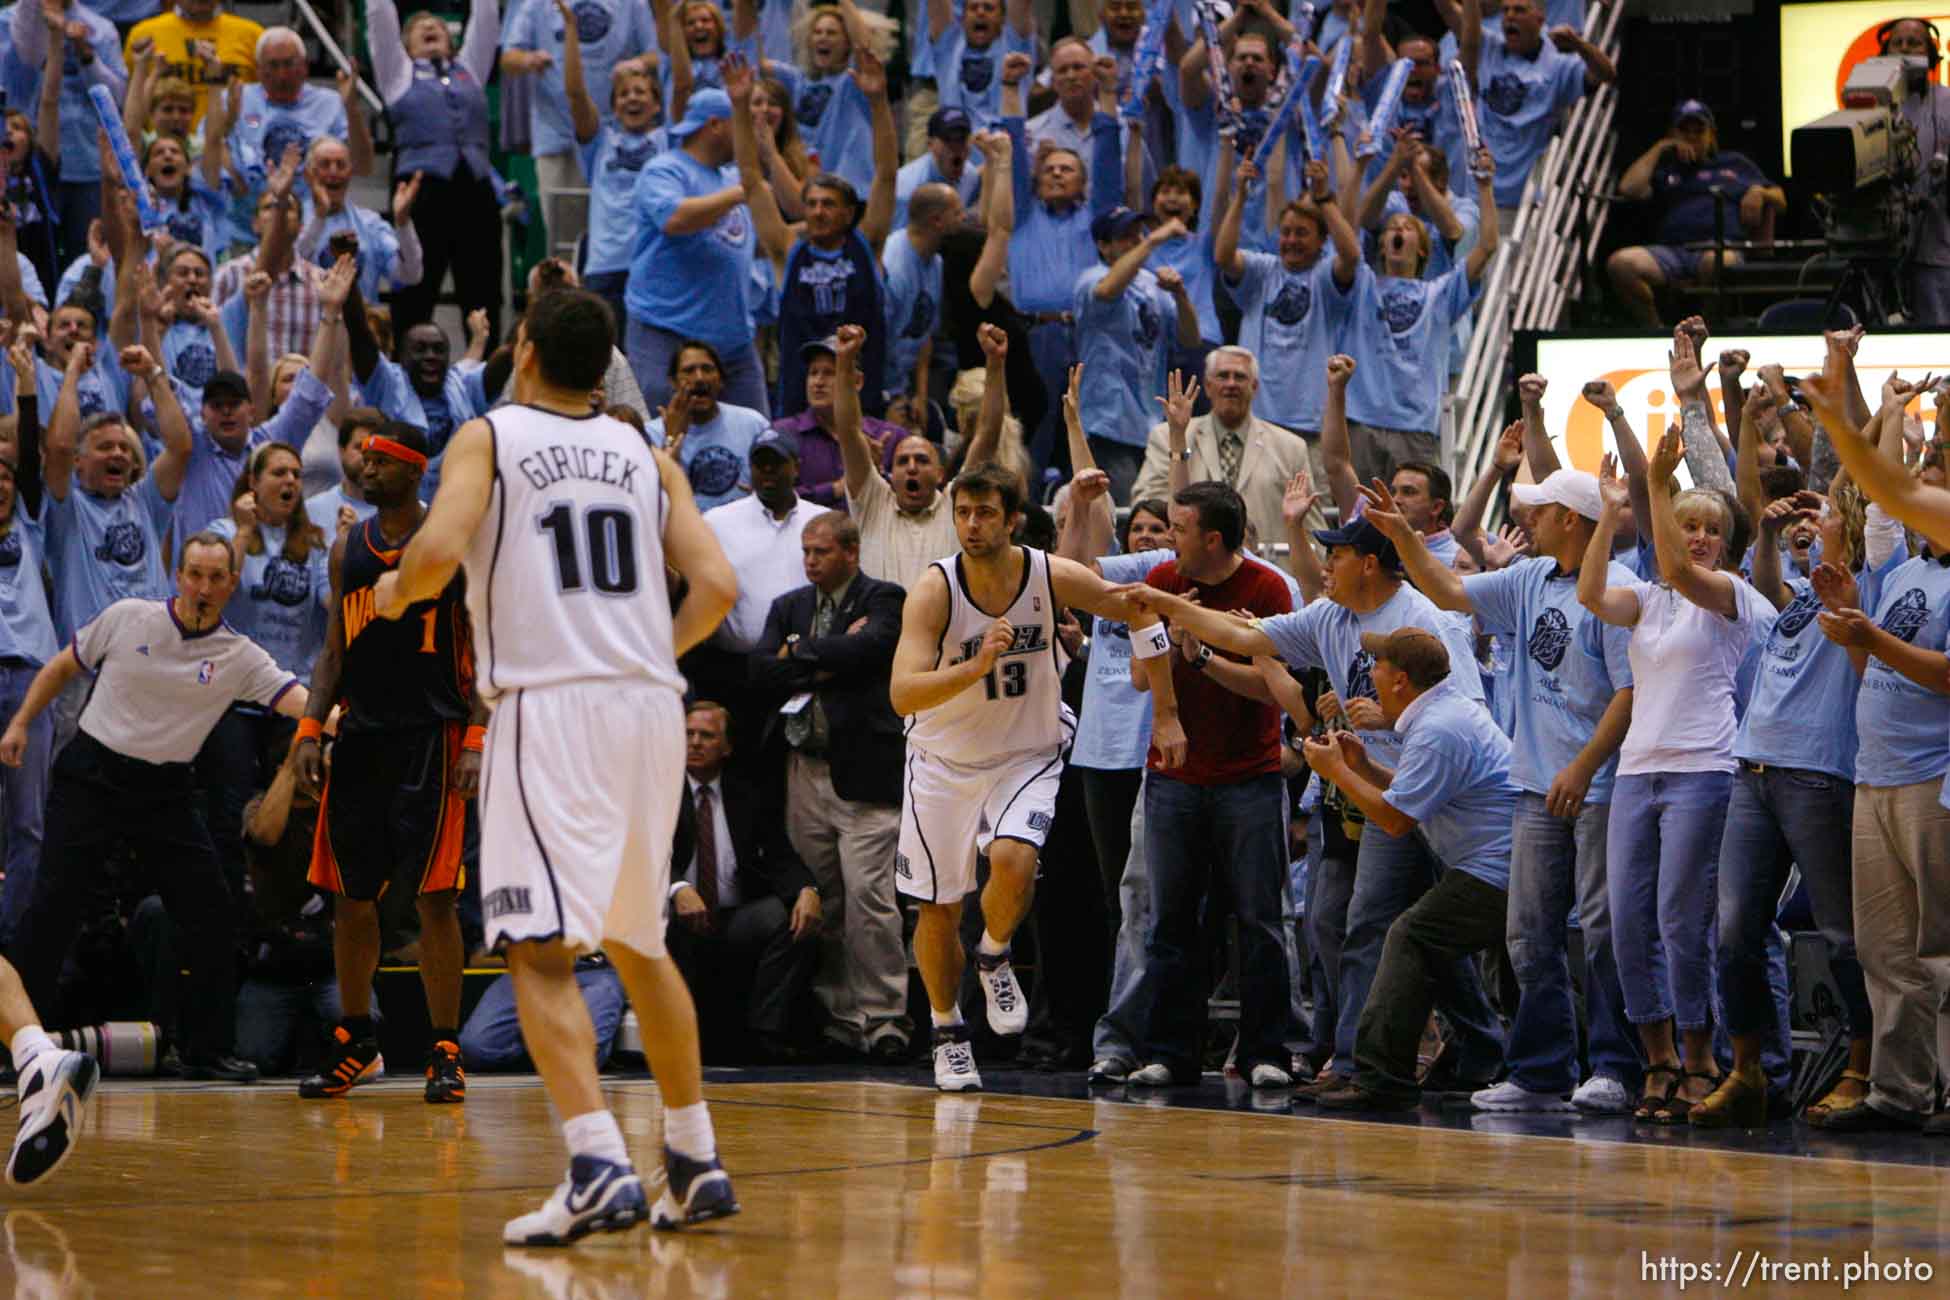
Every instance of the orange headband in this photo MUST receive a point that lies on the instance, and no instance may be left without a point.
(397, 450)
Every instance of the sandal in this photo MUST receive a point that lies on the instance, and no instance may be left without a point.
(1653, 1100)
(1739, 1102)
(1832, 1103)
(1676, 1110)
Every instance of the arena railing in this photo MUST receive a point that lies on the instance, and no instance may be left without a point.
(1538, 265)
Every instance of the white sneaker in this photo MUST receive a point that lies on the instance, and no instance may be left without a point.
(1008, 1009)
(1268, 1075)
(1602, 1095)
(954, 1061)
(1108, 1069)
(52, 1091)
(1154, 1075)
(1507, 1096)
(598, 1196)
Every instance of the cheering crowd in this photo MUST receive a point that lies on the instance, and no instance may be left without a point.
(1509, 812)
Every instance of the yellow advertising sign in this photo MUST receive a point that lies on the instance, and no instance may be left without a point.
(1636, 369)
(1821, 43)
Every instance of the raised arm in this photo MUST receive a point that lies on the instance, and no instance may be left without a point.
(1347, 244)
(483, 38)
(1431, 576)
(1225, 244)
(1467, 528)
(1706, 448)
(64, 423)
(870, 75)
(392, 70)
(995, 395)
(1336, 452)
(1194, 86)
(257, 342)
(358, 129)
(1754, 411)
(1469, 35)
(1711, 589)
(47, 125)
(174, 426)
(583, 114)
(1537, 448)
(1486, 222)
(1091, 524)
(1618, 606)
(856, 453)
(1302, 560)
(1767, 545)
(1631, 456)
(998, 202)
(1918, 505)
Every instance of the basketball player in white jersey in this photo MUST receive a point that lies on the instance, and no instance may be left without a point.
(977, 675)
(565, 520)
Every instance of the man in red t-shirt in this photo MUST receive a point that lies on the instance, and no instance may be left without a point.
(1219, 819)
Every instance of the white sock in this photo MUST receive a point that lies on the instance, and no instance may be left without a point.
(687, 1131)
(990, 946)
(946, 1019)
(29, 1042)
(596, 1134)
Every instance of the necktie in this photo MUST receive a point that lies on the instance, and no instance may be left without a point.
(1232, 449)
(707, 848)
(807, 728)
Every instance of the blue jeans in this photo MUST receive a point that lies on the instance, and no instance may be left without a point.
(1778, 816)
(1121, 1028)
(23, 791)
(1053, 348)
(1200, 837)
(1330, 886)
(650, 350)
(491, 1038)
(1555, 865)
(271, 1012)
(1390, 875)
(1663, 846)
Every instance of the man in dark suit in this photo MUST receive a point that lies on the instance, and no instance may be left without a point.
(743, 906)
(831, 645)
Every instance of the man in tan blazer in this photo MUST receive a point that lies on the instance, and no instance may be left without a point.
(1231, 445)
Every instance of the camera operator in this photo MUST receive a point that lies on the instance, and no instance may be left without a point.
(1928, 111)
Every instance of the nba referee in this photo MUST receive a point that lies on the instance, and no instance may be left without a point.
(165, 672)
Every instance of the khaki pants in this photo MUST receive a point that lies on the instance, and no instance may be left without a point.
(566, 217)
(849, 848)
(1902, 937)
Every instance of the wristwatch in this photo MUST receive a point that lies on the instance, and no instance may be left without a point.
(1184, 455)
(1202, 658)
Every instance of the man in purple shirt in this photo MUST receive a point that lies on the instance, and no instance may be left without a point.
(822, 475)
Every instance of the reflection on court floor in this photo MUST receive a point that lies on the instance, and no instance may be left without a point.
(874, 1190)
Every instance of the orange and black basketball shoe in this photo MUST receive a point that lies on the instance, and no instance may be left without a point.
(446, 1081)
(354, 1061)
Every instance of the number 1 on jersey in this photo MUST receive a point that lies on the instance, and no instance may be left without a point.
(427, 644)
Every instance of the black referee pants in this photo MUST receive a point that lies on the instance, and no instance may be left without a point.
(99, 799)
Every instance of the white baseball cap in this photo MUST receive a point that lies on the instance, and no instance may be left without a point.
(1573, 489)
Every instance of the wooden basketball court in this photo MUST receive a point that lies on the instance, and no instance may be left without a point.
(879, 1189)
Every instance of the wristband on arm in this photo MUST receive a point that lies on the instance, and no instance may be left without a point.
(1149, 642)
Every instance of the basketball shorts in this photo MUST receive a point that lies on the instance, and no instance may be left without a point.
(390, 815)
(951, 812)
(579, 795)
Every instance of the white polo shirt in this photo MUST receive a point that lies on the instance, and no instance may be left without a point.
(764, 551)
(159, 688)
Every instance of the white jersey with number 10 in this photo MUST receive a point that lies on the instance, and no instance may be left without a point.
(565, 576)
(1018, 708)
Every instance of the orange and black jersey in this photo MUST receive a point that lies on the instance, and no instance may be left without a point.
(413, 671)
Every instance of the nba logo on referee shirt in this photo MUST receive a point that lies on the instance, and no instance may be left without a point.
(204, 671)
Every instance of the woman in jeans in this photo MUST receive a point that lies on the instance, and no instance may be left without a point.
(1675, 770)
(1793, 802)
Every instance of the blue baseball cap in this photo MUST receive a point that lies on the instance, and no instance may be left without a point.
(1363, 537)
(1688, 108)
(1115, 224)
(950, 124)
(777, 441)
(705, 107)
